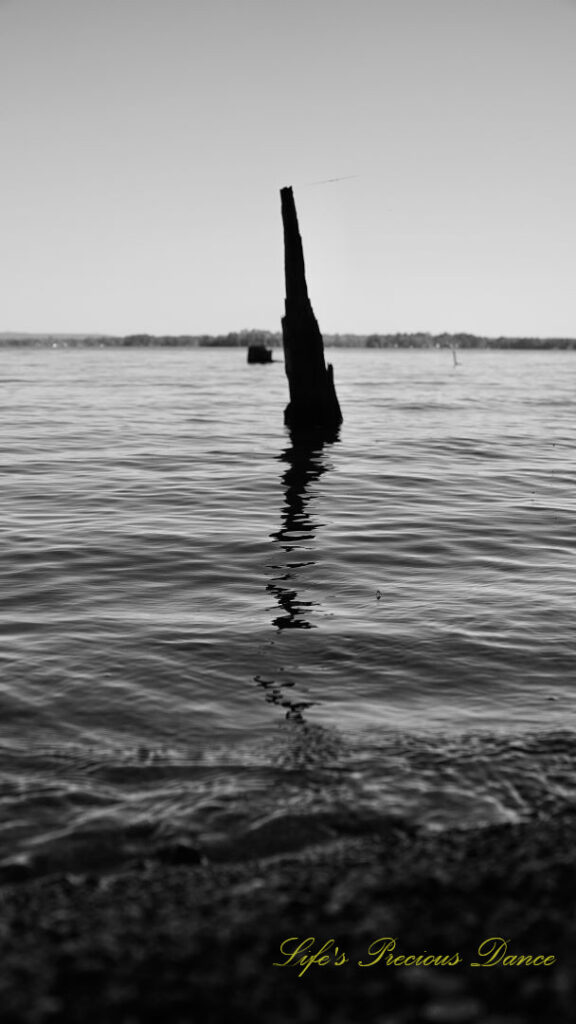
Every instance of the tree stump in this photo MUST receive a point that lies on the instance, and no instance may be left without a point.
(313, 402)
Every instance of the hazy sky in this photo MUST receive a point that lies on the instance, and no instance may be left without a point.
(143, 143)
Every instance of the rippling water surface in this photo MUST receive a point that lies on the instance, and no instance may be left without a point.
(211, 634)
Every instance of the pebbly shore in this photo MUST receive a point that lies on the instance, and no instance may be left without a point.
(183, 937)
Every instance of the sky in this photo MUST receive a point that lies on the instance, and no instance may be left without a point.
(143, 144)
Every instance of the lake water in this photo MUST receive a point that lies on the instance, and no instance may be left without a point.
(211, 636)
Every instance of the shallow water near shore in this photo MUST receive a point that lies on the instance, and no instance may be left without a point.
(213, 635)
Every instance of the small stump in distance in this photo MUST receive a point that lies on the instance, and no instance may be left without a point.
(259, 354)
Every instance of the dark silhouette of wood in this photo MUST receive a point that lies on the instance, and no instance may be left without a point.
(259, 354)
(313, 402)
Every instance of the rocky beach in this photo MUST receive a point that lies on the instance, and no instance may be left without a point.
(182, 934)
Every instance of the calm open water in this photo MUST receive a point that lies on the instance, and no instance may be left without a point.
(211, 636)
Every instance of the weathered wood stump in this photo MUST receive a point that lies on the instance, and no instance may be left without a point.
(313, 402)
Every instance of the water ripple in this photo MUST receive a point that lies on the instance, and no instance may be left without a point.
(209, 628)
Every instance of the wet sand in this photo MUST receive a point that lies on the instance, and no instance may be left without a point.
(160, 939)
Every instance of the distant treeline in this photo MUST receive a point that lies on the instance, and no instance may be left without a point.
(238, 339)
(234, 339)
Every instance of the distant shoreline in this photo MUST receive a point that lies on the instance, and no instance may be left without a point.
(241, 339)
